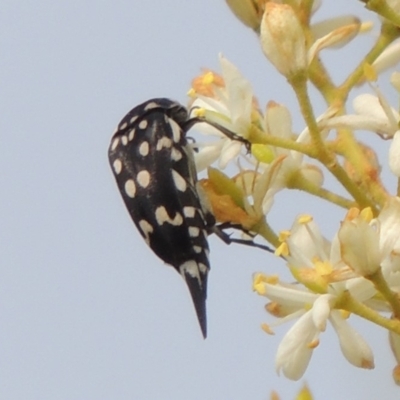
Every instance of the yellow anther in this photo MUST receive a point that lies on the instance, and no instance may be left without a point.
(345, 314)
(271, 279)
(366, 26)
(259, 288)
(304, 219)
(199, 112)
(267, 329)
(191, 92)
(313, 344)
(274, 309)
(259, 281)
(208, 78)
(352, 214)
(396, 374)
(284, 235)
(282, 250)
(366, 214)
(367, 364)
(323, 268)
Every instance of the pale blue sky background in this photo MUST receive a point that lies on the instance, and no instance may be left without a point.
(86, 310)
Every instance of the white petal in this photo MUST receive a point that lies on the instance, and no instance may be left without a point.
(359, 246)
(389, 57)
(344, 32)
(394, 154)
(323, 28)
(240, 95)
(353, 346)
(278, 121)
(308, 238)
(389, 219)
(360, 288)
(294, 352)
(230, 150)
(207, 155)
(321, 310)
(292, 297)
(371, 106)
(360, 122)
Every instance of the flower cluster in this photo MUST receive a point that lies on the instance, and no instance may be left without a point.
(358, 271)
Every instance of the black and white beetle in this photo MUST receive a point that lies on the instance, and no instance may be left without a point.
(156, 175)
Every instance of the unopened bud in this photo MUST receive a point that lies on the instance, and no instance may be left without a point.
(282, 39)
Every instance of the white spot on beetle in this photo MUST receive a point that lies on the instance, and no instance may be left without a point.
(151, 105)
(144, 149)
(176, 130)
(124, 140)
(114, 144)
(163, 142)
(197, 249)
(146, 228)
(176, 155)
(131, 134)
(117, 165)
(143, 124)
(130, 188)
(189, 212)
(123, 126)
(162, 217)
(203, 268)
(133, 119)
(190, 268)
(194, 231)
(180, 183)
(143, 178)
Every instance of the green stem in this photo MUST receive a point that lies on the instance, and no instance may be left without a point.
(382, 287)
(257, 136)
(297, 181)
(348, 303)
(299, 84)
(264, 230)
(326, 157)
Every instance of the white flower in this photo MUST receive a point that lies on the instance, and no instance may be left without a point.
(316, 263)
(231, 107)
(283, 164)
(295, 350)
(283, 39)
(373, 113)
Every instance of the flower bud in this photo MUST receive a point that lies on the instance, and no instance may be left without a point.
(282, 39)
